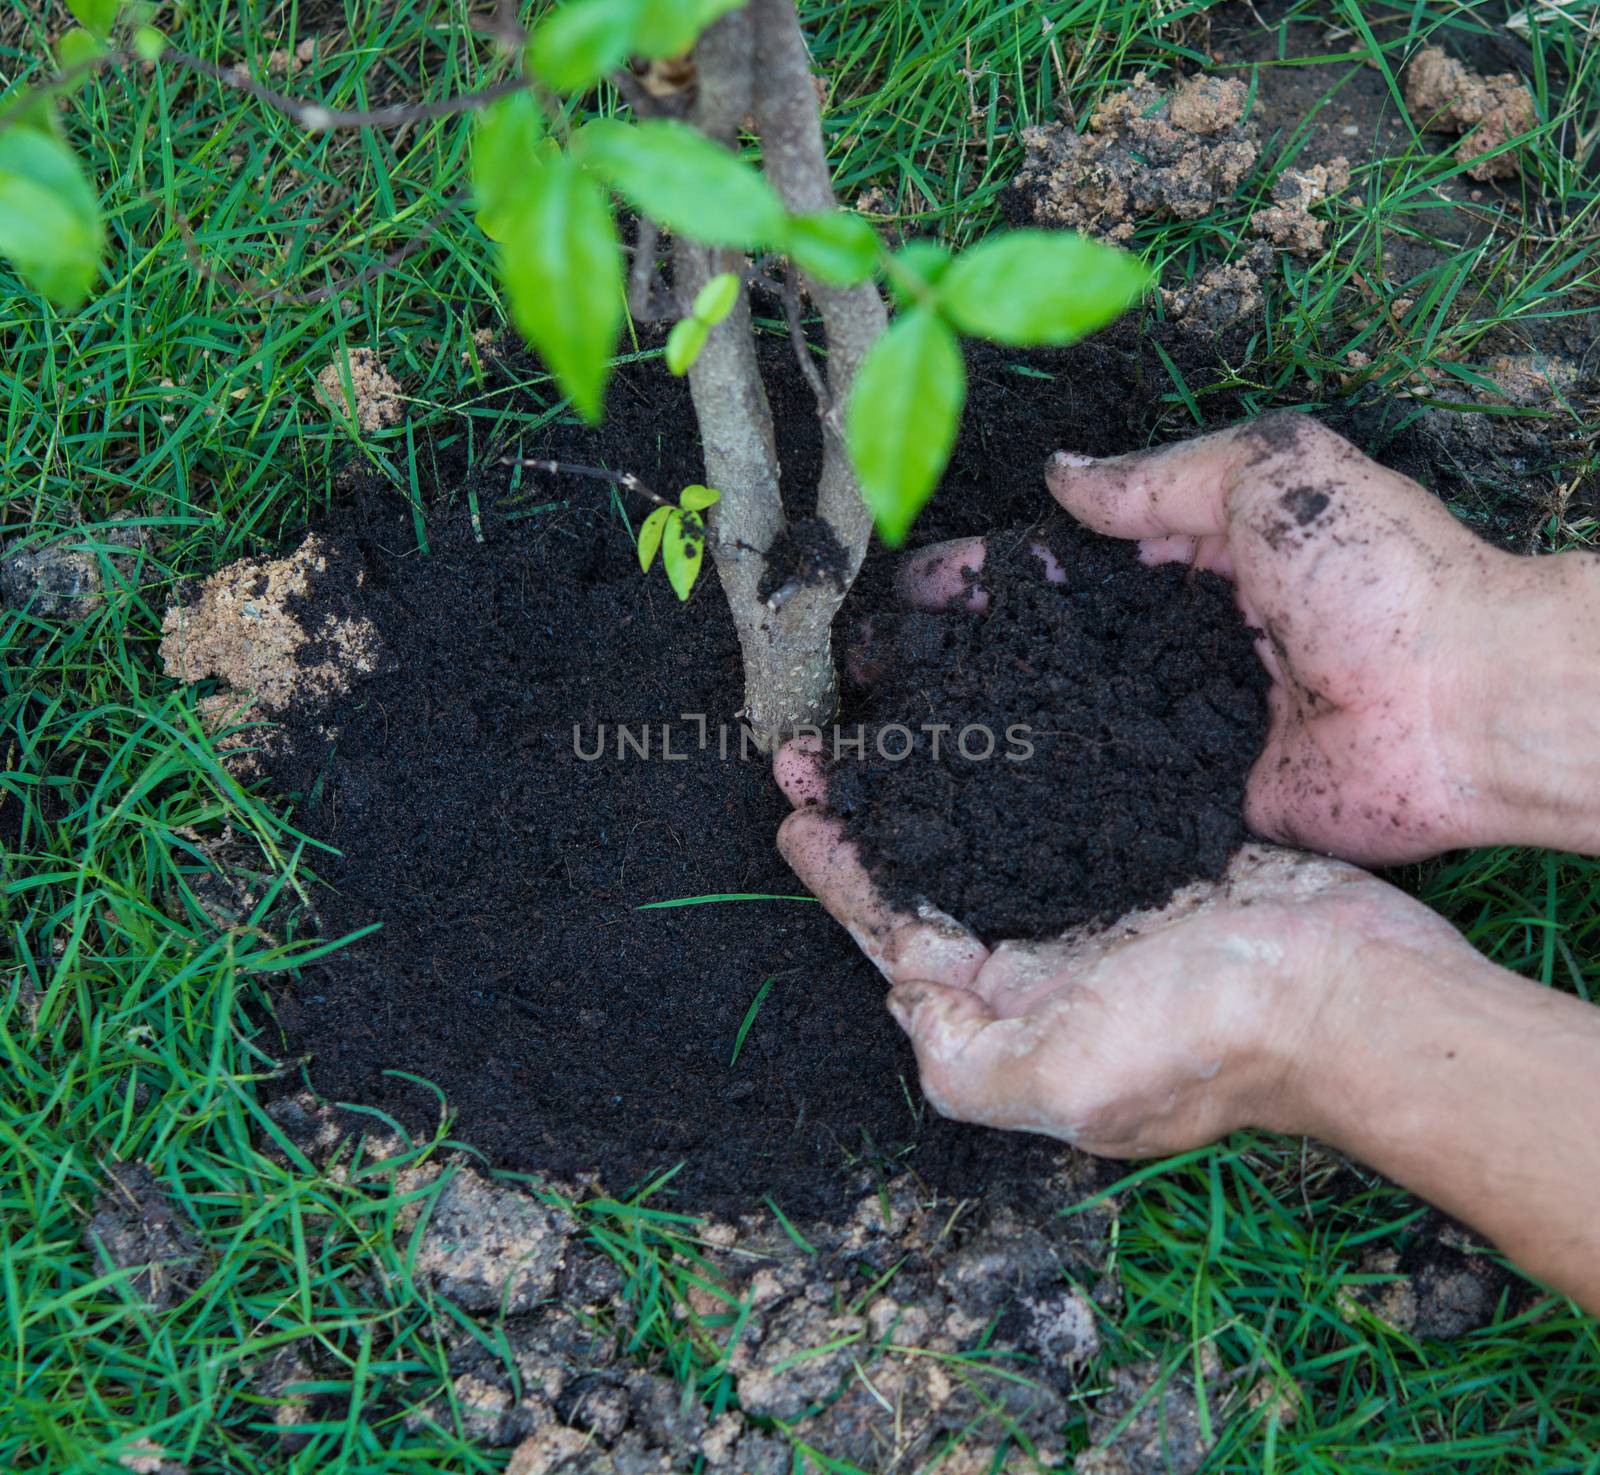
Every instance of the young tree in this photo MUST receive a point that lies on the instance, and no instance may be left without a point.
(700, 77)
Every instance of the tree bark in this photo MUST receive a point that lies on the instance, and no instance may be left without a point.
(854, 318)
(754, 62)
(785, 685)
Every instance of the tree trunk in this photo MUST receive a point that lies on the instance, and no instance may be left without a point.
(787, 683)
(754, 62)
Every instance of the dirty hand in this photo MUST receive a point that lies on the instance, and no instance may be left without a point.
(1160, 1033)
(1429, 691)
(1298, 994)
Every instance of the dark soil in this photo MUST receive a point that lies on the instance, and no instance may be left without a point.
(1078, 750)
(806, 553)
(569, 1031)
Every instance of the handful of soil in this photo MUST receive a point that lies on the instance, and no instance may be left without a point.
(1143, 703)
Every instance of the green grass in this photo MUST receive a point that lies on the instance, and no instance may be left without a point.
(183, 397)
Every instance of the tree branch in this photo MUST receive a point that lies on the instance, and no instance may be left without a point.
(853, 317)
(645, 301)
(786, 682)
(316, 118)
(625, 480)
(802, 347)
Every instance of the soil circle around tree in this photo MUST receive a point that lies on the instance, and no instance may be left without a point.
(550, 750)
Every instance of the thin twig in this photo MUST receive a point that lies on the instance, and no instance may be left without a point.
(644, 302)
(316, 118)
(802, 345)
(626, 480)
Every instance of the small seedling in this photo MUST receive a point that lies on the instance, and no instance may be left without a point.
(680, 533)
(750, 1017)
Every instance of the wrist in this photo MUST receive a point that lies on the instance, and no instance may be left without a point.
(1343, 1066)
(1526, 705)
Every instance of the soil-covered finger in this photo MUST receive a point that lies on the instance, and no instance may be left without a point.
(944, 574)
(919, 942)
(973, 1066)
(1178, 489)
(949, 575)
(798, 769)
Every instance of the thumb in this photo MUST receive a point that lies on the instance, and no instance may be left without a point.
(974, 1066)
(1179, 489)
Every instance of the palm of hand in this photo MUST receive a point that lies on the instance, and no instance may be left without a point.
(1164, 1031)
(1365, 589)
(1172, 1027)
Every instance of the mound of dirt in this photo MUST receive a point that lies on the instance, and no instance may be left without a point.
(1442, 93)
(1288, 221)
(1145, 154)
(375, 397)
(247, 626)
(250, 626)
(1225, 293)
(571, 1032)
(1076, 751)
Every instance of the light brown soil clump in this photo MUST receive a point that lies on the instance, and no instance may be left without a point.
(1288, 221)
(1443, 94)
(245, 629)
(251, 627)
(1145, 155)
(1224, 294)
(378, 398)
(1531, 378)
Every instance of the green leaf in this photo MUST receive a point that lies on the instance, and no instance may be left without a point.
(684, 342)
(505, 144)
(902, 418)
(682, 550)
(576, 45)
(833, 246)
(697, 498)
(750, 1017)
(715, 300)
(49, 217)
(650, 531)
(916, 269)
(148, 43)
(77, 48)
(562, 268)
(679, 177)
(670, 27)
(1029, 287)
(33, 109)
(96, 15)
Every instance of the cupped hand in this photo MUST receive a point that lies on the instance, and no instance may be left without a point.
(1380, 619)
(1163, 1032)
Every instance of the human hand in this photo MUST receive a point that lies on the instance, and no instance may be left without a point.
(1429, 691)
(1164, 1031)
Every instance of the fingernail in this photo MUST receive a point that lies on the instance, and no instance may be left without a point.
(1071, 459)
